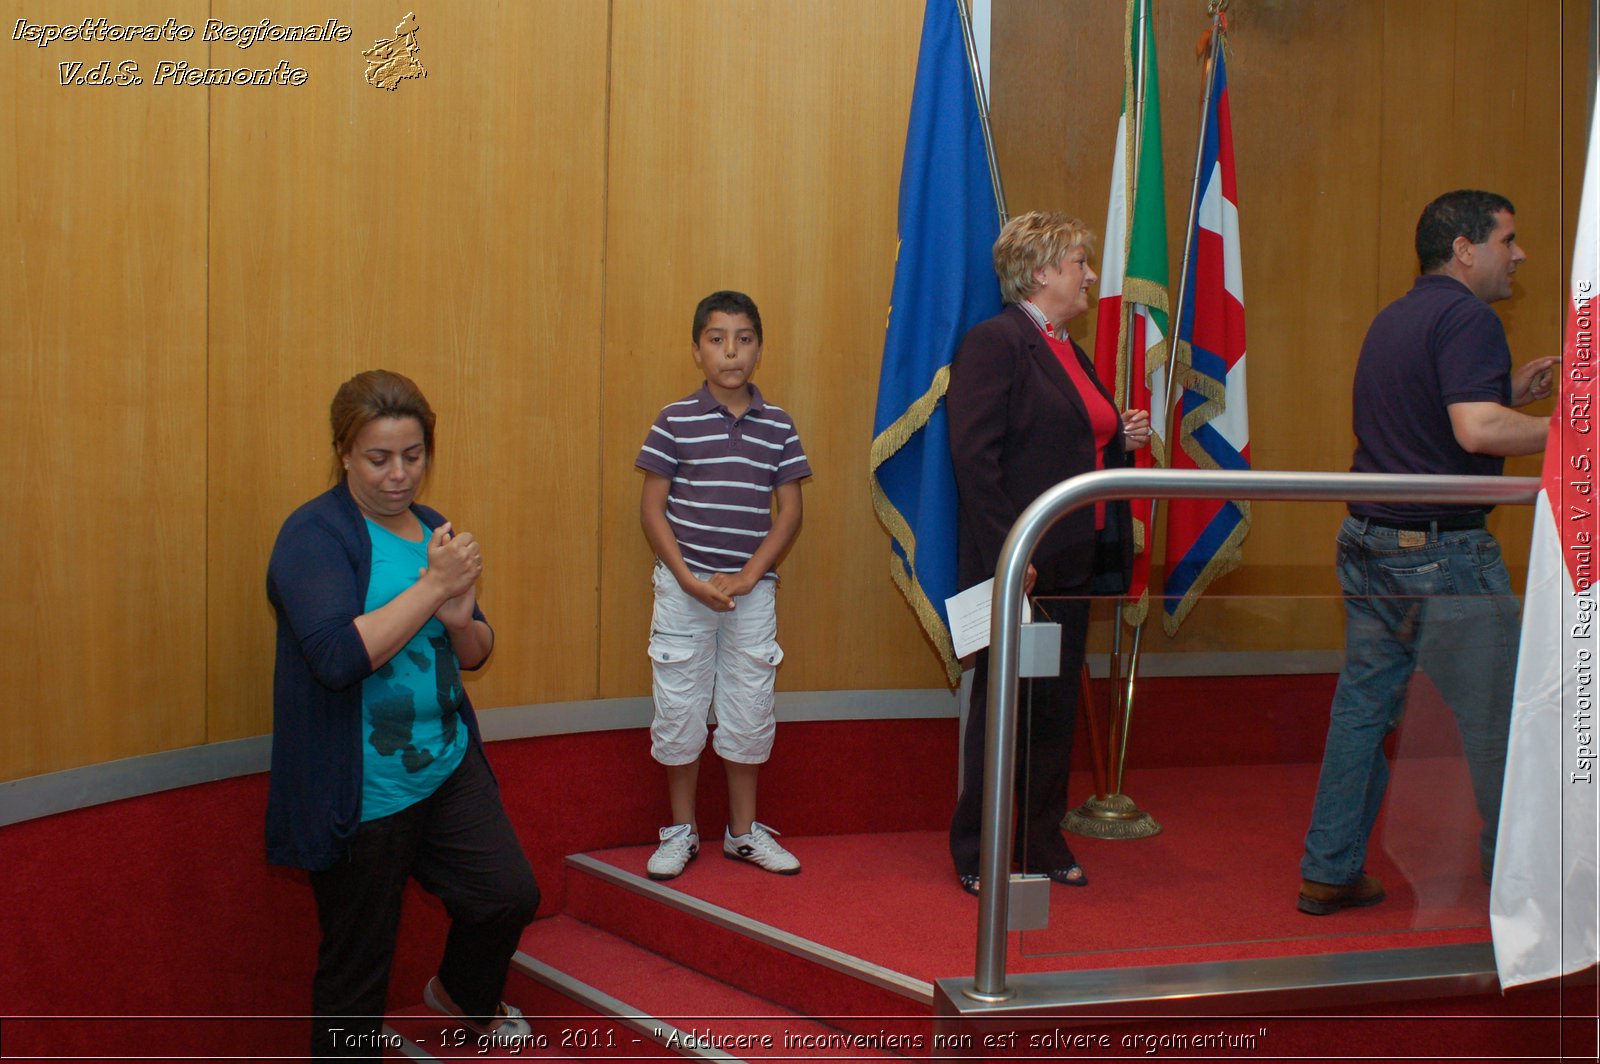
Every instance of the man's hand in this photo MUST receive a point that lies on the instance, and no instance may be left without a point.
(1534, 381)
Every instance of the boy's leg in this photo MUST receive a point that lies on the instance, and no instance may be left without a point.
(747, 663)
(683, 662)
(683, 781)
(747, 657)
(741, 795)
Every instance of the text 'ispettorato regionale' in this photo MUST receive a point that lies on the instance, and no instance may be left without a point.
(242, 35)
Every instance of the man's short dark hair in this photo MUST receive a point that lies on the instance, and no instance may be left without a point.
(729, 303)
(1465, 212)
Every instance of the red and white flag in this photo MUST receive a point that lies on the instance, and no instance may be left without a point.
(1544, 902)
(1212, 419)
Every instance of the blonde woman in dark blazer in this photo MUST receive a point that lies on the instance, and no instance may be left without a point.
(1026, 412)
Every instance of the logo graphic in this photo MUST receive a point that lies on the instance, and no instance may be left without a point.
(391, 62)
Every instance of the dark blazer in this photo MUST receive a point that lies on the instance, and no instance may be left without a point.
(1017, 428)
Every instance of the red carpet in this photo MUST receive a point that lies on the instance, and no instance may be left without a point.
(1218, 883)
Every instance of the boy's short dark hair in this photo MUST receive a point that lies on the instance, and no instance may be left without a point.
(1465, 212)
(729, 303)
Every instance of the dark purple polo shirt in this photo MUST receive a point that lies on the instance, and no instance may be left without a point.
(1436, 345)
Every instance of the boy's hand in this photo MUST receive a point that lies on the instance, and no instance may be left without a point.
(733, 584)
(708, 594)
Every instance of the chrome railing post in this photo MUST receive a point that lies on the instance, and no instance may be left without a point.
(994, 864)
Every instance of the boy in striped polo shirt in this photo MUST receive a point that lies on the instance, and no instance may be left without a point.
(714, 464)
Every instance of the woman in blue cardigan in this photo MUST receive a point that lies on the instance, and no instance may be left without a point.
(378, 769)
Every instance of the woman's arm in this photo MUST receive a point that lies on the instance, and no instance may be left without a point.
(450, 573)
(977, 405)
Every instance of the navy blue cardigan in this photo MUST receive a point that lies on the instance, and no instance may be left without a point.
(317, 583)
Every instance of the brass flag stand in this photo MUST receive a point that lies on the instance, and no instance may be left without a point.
(1108, 813)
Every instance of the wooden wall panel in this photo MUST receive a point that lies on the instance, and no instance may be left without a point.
(190, 272)
(449, 229)
(757, 147)
(102, 355)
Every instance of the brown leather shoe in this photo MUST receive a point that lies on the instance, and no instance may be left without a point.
(1321, 899)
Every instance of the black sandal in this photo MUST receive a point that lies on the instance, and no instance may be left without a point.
(970, 884)
(1065, 877)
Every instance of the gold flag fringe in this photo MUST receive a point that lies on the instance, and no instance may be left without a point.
(884, 447)
(1222, 563)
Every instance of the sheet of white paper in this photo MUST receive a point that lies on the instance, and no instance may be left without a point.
(969, 617)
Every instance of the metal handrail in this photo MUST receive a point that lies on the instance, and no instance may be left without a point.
(1006, 616)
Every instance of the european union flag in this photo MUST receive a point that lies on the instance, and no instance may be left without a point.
(944, 284)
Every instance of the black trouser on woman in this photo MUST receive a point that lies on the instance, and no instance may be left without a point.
(459, 844)
(1048, 713)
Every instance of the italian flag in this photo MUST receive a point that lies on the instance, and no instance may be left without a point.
(1131, 331)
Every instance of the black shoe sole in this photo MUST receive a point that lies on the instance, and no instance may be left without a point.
(748, 861)
(1313, 907)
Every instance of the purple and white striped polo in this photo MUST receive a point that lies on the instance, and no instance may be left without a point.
(723, 471)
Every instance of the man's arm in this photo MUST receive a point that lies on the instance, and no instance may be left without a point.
(1489, 428)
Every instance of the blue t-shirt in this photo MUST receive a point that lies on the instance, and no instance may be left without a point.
(1436, 345)
(412, 735)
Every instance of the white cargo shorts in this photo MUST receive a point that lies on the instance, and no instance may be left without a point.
(701, 659)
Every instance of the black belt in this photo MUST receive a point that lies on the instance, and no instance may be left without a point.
(1457, 523)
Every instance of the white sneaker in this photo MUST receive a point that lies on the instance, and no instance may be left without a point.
(508, 1028)
(759, 847)
(679, 844)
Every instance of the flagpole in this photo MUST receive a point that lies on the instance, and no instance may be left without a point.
(1188, 238)
(982, 94)
(1217, 7)
(1137, 823)
(1114, 815)
(1117, 734)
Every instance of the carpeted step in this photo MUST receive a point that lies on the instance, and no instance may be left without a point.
(419, 1033)
(656, 1007)
(874, 1002)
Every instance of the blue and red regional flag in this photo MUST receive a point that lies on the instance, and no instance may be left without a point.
(1213, 430)
(1130, 345)
(1546, 888)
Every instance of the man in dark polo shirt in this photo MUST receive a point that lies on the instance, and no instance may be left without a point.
(1424, 584)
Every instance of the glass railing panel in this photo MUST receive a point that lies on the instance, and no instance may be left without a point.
(1220, 759)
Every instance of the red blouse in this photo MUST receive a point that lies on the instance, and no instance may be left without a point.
(1102, 415)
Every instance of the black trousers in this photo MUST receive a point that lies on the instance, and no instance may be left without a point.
(1048, 708)
(459, 844)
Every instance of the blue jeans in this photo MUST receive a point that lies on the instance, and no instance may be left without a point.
(1437, 600)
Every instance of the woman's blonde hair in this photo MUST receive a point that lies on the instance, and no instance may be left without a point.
(1030, 242)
